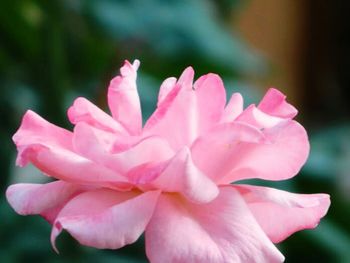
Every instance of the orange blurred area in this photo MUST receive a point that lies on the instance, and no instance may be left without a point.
(276, 28)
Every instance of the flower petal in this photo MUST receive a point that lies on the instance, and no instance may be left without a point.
(181, 175)
(189, 111)
(177, 111)
(105, 218)
(186, 78)
(233, 109)
(94, 145)
(123, 98)
(44, 199)
(167, 86)
(50, 149)
(70, 167)
(211, 99)
(84, 111)
(274, 103)
(111, 142)
(278, 159)
(280, 213)
(223, 230)
(91, 142)
(151, 149)
(215, 152)
(34, 129)
(253, 116)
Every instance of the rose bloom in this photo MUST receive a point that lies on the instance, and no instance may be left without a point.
(171, 179)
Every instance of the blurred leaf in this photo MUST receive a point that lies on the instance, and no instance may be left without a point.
(190, 28)
(329, 152)
(334, 239)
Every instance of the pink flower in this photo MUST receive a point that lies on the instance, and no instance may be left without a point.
(171, 178)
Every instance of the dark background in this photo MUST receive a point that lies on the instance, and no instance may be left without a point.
(53, 51)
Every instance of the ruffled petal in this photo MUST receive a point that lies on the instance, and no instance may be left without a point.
(123, 98)
(105, 218)
(167, 86)
(271, 111)
(280, 157)
(281, 213)
(211, 99)
(97, 146)
(233, 109)
(259, 119)
(188, 110)
(182, 176)
(70, 167)
(215, 152)
(36, 130)
(91, 142)
(175, 118)
(51, 150)
(274, 103)
(42, 199)
(223, 230)
(83, 111)
(153, 149)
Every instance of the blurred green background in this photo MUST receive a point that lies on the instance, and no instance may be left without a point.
(53, 51)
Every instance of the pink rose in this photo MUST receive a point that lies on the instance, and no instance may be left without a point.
(171, 178)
